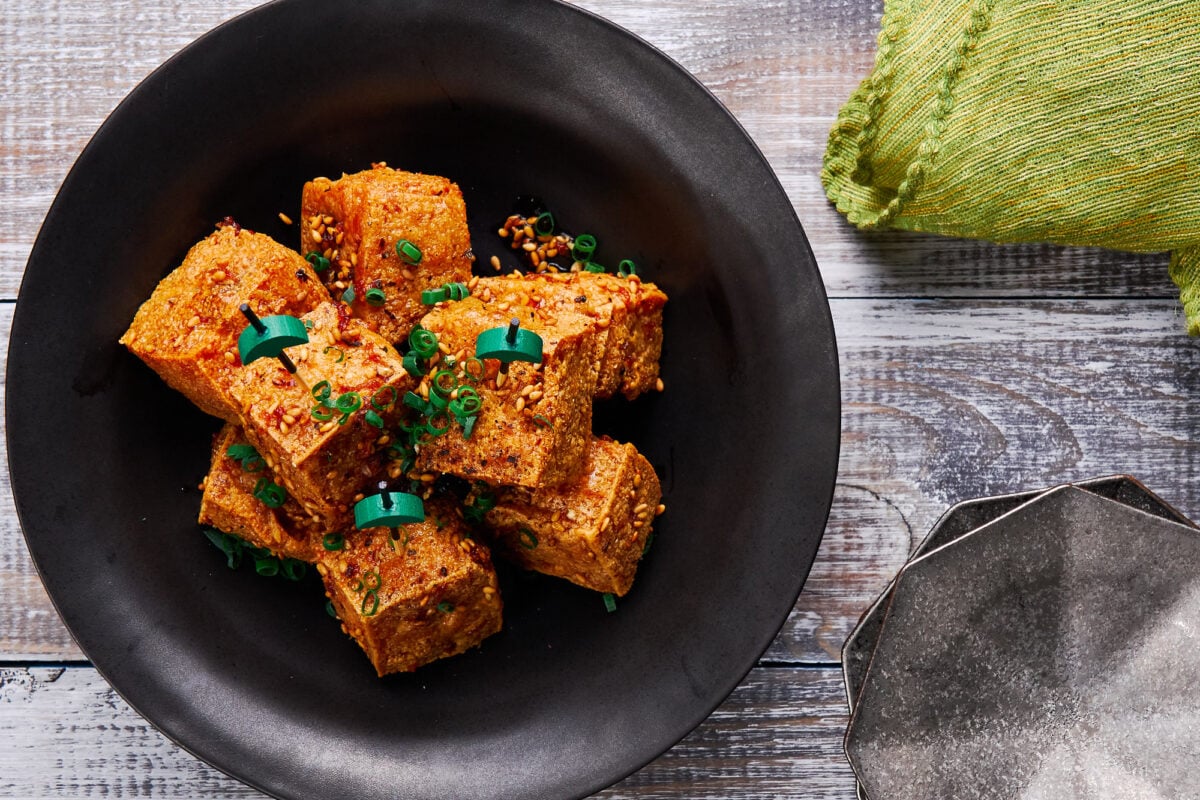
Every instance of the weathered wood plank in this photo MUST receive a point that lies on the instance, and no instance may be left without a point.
(783, 67)
(65, 732)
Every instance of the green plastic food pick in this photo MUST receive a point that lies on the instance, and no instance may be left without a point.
(506, 345)
(388, 509)
(1072, 123)
(267, 337)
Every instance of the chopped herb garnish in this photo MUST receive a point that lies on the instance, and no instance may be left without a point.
(372, 584)
(423, 342)
(348, 296)
(267, 567)
(408, 252)
(542, 422)
(592, 266)
(319, 262)
(394, 393)
(474, 370)
(373, 419)
(272, 495)
(610, 602)
(375, 296)
(370, 603)
(341, 355)
(584, 246)
(321, 413)
(445, 607)
(250, 460)
(649, 541)
(412, 365)
(321, 392)
(527, 538)
(330, 610)
(544, 226)
(626, 268)
(333, 541)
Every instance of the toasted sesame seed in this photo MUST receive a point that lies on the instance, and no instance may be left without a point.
(327, 220)
(230, 356)
(283, 427)
(428, 477)
(661, 508)
(316, 235)
(384, 371)
(529, 247)
(408, 274)
(382, 440)
(327, 427)
(359, 496)
(637, 480)
(289, 419)
(394, 472)
(528, 231)
(471, 284)
(218, 276)
(503, 234)
(525, 392)
(639, 508)
(535, 395)
(488, 591)
(605, 523)
(339, 236)
(284, 218)
(520, 404)
(658, 384)
(331, 474)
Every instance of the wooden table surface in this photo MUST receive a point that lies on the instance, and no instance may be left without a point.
(967, 369)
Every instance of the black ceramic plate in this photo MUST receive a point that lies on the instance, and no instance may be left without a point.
(506, 98)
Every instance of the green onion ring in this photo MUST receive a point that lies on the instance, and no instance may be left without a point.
(545, 224)
(348, 403)
(438, 378)
(372, 598)
(431, 428)
(373, 419)
(412, 365)
(375, 296)
(527, 539)
(321, 413)
(626, 268)
(466, 365)
(341, 354)
(584, 246)
(408, 251)
(267, 567)
(322, 391)
(378, 580)
(319, 262)
(333, 541)
(423, 342)
(375, 397)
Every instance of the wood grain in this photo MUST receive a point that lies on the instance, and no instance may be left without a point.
(967, 369)
(778, 732)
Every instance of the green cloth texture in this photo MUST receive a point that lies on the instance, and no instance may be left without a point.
(1069, 122)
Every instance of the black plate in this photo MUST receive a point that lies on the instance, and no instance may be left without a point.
(506, 98)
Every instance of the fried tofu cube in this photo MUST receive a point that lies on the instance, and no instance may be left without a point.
(536, 419)
(187, 331)
(357, 221)
(627, 313)
(229, 504)
(425, 592)
(591, 531)
(324, 456)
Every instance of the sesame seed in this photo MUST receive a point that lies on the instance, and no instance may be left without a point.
(637, 480)
(218, 276)
(661, 508)
(520, 404)
(503, 234)
(525, 392)
(639, 508)
(529, 247)
(327, 220)
(535, 395)
(283, 427)
(605, 523)
(316, 235)
(488, 591)
(289, 419)
(428, 477)
(327, 427)
(284, 218)
(658, 384)
(230, 357)
(471, 284)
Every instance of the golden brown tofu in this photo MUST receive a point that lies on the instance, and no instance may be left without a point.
(356, 223)
(592, 531)
(229, 504)
(426, 592)
(627, 313)
(536, 420)
(187, 331)
(323, 456)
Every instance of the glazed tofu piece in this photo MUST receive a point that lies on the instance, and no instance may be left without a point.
(535, 421)
(187, 331)
(356, 222)
(229, 504)
(425, 592)
(591, 531)
(627, 314)
(323, 456)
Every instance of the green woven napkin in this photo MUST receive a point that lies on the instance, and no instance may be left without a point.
(1064, 121)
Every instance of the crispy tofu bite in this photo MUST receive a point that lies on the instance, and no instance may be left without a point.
(627, 314)
(409, 597)
(535, 420)
(323, 430)
(591, 531)
(187, 331)
(234, 501)
(387, 235)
